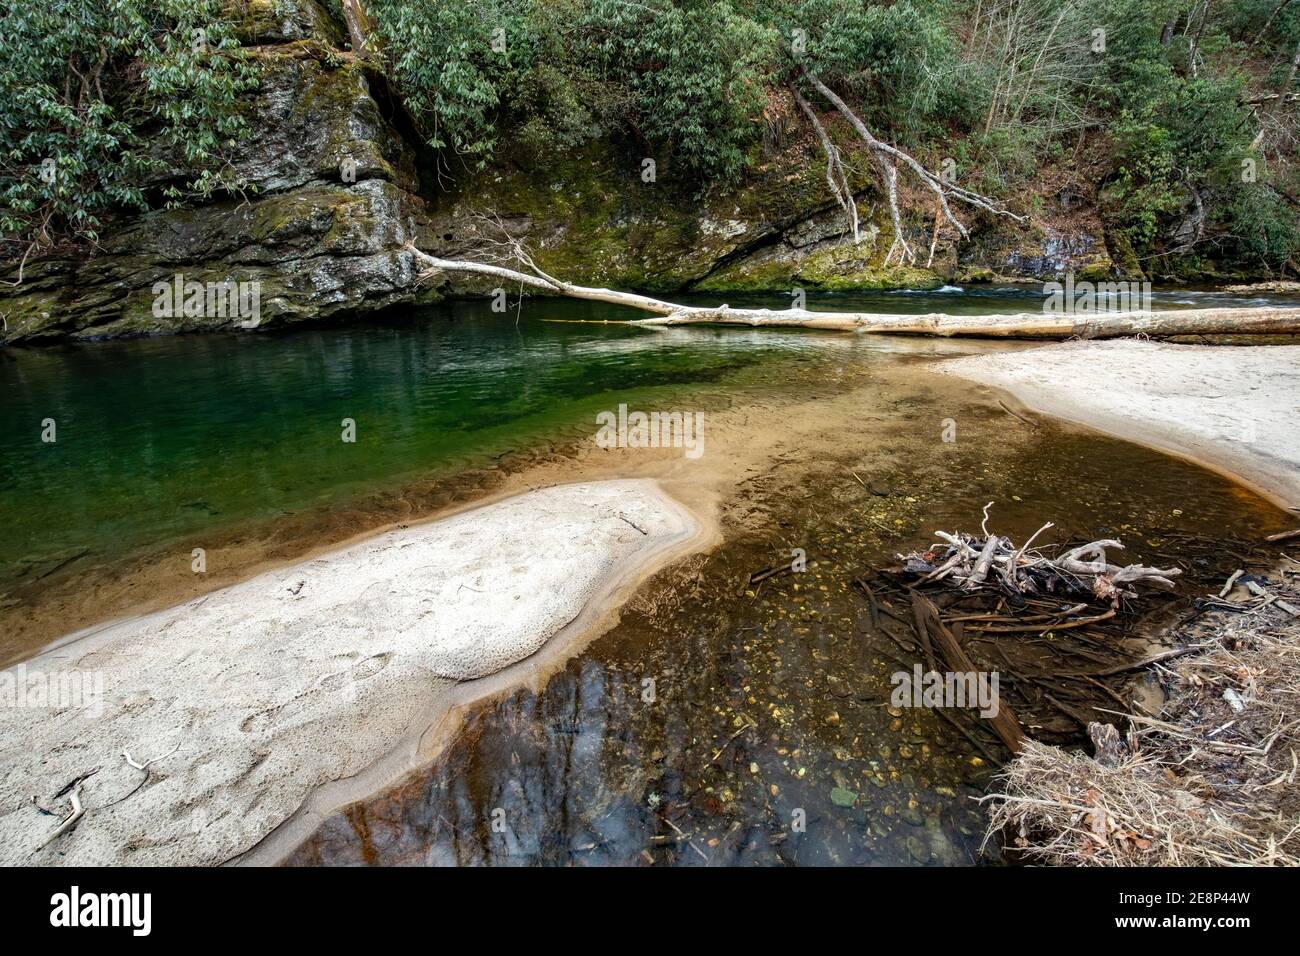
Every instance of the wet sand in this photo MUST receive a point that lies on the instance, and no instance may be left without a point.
(316, 673)
(1233, 409)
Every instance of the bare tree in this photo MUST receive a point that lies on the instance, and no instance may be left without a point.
(1041, 56)
(890, 157)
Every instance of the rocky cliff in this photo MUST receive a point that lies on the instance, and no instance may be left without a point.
(332, 196)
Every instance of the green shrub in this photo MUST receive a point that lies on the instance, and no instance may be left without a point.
(100, 95)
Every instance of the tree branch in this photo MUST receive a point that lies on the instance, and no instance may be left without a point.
(835, 176)
(883, 150)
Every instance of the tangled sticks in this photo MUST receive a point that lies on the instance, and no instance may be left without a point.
(994, 561)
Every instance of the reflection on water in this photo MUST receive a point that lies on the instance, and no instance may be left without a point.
(167, 437)
(768, 736)
(215, 430)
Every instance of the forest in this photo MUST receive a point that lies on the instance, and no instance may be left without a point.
(1181, 113)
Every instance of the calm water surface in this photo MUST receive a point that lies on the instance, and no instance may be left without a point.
(161, 438)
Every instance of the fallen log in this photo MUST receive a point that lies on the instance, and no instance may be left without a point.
(1015, 325)
(1020, 325)
(929, 623)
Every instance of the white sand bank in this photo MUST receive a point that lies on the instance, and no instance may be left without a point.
(1235, 409)
(262, 692)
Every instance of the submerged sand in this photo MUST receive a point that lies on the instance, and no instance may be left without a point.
(1234, 409)
(250, 698)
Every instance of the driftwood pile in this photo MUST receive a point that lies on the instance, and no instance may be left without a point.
(1207, 772)
(1062, 663)
(1051, 620)
(1209, 781)
(972, 562)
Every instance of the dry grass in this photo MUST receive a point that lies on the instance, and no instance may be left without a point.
(1207, 784)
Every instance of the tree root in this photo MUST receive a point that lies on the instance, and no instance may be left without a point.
(836, 178)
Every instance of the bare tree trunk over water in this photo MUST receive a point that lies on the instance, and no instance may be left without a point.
(1023, 325)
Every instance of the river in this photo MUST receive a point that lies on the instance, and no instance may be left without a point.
(768, 706)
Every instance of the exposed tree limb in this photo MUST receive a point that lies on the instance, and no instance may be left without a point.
(547, 284)
(1031, 325)
(934, 236)
(936, 185)
(888, 156)
(835, 176)
(899, 245)
(359, 26)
